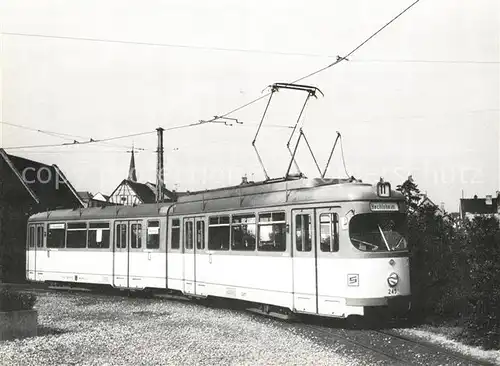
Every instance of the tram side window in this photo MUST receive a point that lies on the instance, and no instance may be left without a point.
(329, 226)
(244, 232)
(218, 233)
(31, 237)
(39, 236)
(76, 236)
(153, 238)
(303, 233)
(175, 239)
(136, 236)
(188, 234)
(272, 232)
(99, 235)
(55, 235)
(200, 234)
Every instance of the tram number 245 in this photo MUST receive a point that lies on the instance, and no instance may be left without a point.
(392, 291)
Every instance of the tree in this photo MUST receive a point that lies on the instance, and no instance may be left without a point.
(411, 192)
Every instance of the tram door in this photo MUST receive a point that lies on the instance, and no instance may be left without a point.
(121, 254)
(39, 258)
(305, 281)
(31, 253)
(189, 257)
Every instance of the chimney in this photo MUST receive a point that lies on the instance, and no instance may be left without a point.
(475, 196)
(441, 206)
(244, 180)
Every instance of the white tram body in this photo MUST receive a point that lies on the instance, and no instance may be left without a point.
(328, 247)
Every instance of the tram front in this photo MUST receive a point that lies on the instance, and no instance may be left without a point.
(378, 270)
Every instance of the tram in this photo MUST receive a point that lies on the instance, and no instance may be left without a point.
(326, 247)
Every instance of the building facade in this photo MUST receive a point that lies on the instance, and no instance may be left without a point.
(488, 206)
(27, 187)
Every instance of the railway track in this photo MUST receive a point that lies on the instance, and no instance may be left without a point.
(386, 345)
(375, 355)
(395, 348)
(98, 292)
(459, 357)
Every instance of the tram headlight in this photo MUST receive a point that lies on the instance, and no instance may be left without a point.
(393, 279)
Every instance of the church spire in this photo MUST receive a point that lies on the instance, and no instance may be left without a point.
(131, 170)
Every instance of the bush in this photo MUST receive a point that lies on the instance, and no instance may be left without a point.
(11, 300)
(455, 274)
(482, 324)
(438, 278)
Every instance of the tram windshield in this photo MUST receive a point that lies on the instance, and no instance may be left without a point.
(379, 232)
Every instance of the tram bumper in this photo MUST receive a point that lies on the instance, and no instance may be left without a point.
(393, 306)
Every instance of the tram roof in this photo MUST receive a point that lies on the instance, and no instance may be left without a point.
(252, 195)
(97, 213)
(279, 193)
(267, 186)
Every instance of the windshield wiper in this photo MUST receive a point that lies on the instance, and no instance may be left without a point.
(383, 236)
(399, 242)
(366, 243)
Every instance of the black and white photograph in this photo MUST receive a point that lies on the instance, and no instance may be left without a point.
(281, 182)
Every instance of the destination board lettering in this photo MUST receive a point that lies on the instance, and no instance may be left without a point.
(384, 206)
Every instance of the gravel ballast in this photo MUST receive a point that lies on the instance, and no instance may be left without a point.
(89, 330)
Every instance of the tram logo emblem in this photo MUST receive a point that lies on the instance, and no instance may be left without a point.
(353, 280)
(393, 279)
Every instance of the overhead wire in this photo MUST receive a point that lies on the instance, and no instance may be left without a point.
(92, 141)
(218, 117)
(76, 143)
(226, 49)
(423, 61)
(66, 136)
(337, 61)
(340, 59)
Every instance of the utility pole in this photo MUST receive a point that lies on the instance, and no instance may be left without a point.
(2, 204)
(159, 166)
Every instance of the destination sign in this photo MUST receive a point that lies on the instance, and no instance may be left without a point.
(56, 226)
(384, 206)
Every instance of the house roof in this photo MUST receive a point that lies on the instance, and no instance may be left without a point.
(85, 196)
(479, 206)
(99, 195)
(426, 201)
(46, 184)
(142, 190)
(166, 192)
(146, 192)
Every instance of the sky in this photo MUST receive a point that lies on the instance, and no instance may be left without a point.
(420, 98)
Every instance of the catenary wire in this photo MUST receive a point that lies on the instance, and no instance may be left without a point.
(91, 141)
(66, 136)
(242, 50)
(338, 60)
